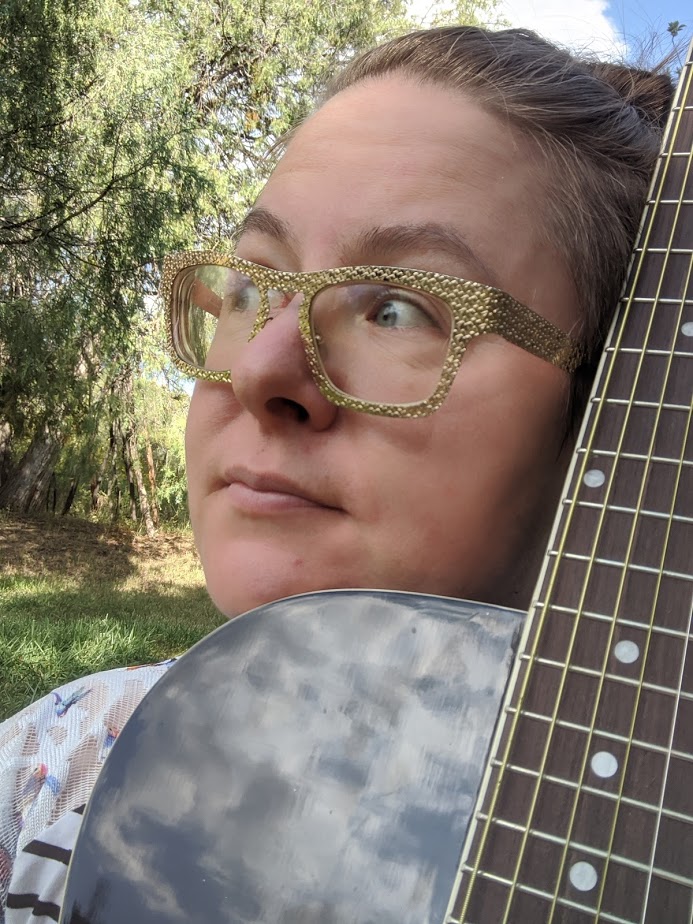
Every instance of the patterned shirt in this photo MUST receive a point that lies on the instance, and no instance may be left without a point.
(50, 756)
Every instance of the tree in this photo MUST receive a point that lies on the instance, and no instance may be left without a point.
(658, 48)
(129, 128)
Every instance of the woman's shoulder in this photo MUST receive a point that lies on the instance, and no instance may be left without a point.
(52, 751)
(78, 708)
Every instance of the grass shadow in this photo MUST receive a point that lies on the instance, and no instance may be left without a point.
(66, 547)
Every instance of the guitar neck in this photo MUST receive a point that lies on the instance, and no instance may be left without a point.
(586, 810)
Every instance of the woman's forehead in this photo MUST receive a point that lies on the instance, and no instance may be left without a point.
(408, 122)
(392, 153)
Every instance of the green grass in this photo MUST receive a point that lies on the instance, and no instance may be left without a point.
(77, 598)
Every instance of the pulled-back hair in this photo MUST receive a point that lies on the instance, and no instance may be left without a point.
(597, 128)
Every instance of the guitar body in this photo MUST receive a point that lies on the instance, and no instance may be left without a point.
(315, 760)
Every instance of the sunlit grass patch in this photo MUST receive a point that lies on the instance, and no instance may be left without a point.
(38, 654)
(60, 624)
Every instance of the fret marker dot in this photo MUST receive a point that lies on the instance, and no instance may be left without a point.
(687, 329)
(583, 876)
(626, 651)
(604, 764)
(594, 478)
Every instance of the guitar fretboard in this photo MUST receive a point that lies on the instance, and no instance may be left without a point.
(586, 810)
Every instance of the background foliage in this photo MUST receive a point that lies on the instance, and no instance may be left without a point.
(129, 128)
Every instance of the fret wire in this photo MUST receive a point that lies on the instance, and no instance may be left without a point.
(667, 301)
(513, 729)
(634, 351)
(635, 456)
(507, 713)
(667, 761)
(658, 300)
(621, 508)
(537, 629)
(603, 733)
(629, 454)
(594, 852)
(540, 893)
(553, 722)
(583, 671)
(593, 791)
(677, 251)
(618, 508)
(653, 303)
(561, 687)
(630, 403)
(641, 569)
(654, 351)
(622, 621)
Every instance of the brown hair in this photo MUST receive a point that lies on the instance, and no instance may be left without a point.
(598, 127)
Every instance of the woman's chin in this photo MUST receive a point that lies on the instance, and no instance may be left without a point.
(246, 595)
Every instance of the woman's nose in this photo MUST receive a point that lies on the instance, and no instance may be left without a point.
(271, 376)
(278, 300)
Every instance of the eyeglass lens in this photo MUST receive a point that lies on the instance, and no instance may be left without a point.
(380, 343)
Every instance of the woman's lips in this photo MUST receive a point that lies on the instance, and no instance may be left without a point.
(262, 494)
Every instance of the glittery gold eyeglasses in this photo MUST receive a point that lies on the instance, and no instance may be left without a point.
(378, 339)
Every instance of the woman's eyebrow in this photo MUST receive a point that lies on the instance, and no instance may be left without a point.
(263, 221)
(380, 245)
(393, 242)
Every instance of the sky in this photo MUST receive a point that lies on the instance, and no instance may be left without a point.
(605, 27)
(609, 28)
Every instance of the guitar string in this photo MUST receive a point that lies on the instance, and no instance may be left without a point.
(582, 671)
(674, 134)
(568, 847)
(639, 688)
(675, 497)
(661, 750)
(662, 175)
(671, 734)
(599, 853)
(475, 869)
(495, 763)
(617, 738)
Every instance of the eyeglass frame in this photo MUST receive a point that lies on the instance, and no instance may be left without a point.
(470, 303)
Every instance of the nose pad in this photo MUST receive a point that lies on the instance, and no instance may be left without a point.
(279, 300)
(272, 378)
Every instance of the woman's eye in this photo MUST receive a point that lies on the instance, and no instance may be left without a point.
(246, 298)
(397, 312)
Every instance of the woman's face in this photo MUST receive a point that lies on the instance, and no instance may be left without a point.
(290, 494)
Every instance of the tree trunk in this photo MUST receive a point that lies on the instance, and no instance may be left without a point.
(136, 469)
(127, 463)
(52, 494)
(151, 471)
(25, 489)
(69, 500)
(108, 464)
(131, 458)
(5, 451)
(115, 508)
